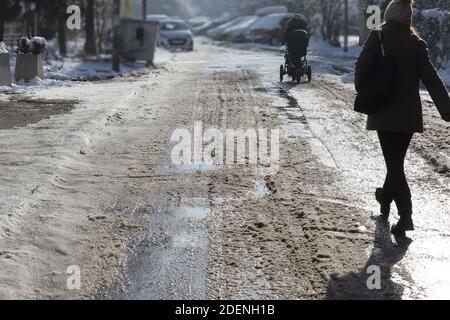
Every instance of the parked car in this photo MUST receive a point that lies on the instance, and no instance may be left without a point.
(218, 32)
(201, 29)
(176, 35)
(269, 29)
(198, 21)
(237, 33)
(271, 10)
(205, 27)
(157, 17)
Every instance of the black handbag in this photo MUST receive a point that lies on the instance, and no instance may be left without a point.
(379, 86)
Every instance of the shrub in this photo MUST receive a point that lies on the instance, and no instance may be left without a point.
(23, 45)
(36, 45)
(434, 28)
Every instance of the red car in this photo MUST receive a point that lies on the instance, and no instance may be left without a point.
(269, 29)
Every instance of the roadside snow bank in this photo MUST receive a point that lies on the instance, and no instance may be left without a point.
(33, 85)
(77, 69)
(324, 48)
(63, 73)
(3, 48)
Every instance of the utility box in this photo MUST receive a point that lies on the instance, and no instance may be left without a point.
(5, 70)
(29, 66)
(138, 39)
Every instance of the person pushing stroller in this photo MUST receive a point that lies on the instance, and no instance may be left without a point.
(296, 38)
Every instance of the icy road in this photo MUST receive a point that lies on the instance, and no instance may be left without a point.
(88, 184)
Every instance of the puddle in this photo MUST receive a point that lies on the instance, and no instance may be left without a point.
(296, 125)
(194, 212)
(171, 261)
(186, 240)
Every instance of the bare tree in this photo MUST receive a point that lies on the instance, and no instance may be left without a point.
(103, 23)
(144, 10)
(30, 17)
(90, 46)
(9, 10)
(62, 27)
(116, 36)
(332, 12)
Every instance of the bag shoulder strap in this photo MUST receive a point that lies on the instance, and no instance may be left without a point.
(380, 35)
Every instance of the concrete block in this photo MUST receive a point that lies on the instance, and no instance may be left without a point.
(5, 70)
(29, 66)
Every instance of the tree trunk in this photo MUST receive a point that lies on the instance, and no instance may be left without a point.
(38, 24)
(346, 26)
(62, 31)
(116, 36)
(2, 28)
(90, 45)
(100, 43)
(144, 9)
(363, 31)
(29, 20)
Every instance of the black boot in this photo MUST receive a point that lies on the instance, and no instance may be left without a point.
(385, 208)
(404, 224)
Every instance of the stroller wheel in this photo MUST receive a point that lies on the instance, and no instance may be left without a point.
(309, 73)
(298, 76)
(281, 73)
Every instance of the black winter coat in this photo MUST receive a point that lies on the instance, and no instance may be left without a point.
(404, 112)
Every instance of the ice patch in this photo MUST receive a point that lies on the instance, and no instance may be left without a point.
(194, 212)
(324, 48)
(261, 190)
(219, 200)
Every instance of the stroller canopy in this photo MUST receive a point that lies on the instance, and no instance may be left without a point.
(297, 22)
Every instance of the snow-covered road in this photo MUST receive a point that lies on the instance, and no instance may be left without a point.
(91, 184)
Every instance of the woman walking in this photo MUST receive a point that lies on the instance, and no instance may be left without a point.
(397, 121)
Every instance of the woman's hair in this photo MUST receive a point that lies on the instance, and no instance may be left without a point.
(412, 29)
(415, 32)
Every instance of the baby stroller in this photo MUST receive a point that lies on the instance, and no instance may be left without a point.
(296, 64)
